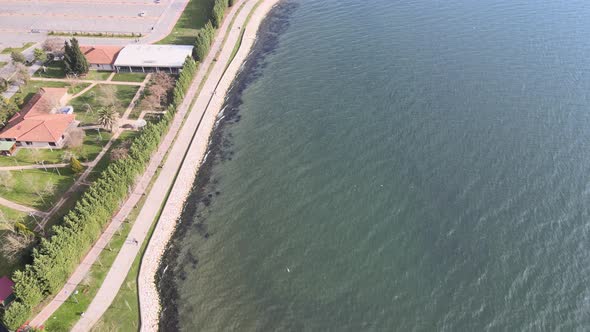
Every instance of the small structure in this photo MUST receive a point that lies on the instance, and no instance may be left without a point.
(7, 148)
(101, 57)
(6, 291)
(41, 124)
(146, 58)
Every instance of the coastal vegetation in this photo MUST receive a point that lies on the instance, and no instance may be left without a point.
(194, 17)
(54, 259)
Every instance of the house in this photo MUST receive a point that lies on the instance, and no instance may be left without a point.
(145, 58)
(101, 57)
(6, 292)
(7, 148)
(43, 122)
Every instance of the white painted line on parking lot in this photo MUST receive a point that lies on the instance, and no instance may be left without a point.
(146, 18)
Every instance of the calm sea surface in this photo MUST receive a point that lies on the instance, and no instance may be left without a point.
(397, 165)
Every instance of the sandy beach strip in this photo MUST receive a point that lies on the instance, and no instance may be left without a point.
(211, 100)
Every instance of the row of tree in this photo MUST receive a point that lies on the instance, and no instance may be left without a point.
(207, 33)
(56, 257)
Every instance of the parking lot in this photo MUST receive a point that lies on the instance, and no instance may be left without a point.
(118, 16)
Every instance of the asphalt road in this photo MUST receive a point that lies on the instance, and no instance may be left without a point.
(18, 18)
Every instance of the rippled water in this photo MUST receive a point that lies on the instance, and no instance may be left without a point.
(397, 165)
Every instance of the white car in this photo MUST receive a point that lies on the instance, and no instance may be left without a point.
(142, 14)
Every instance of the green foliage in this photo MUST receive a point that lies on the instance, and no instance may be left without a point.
(56, 257)
(218, 11)
(18, 57)
(230, 3)
(74, 59)
(16, 315)
(40, 55)
(203, 43)
(7, 110)
(76, 166)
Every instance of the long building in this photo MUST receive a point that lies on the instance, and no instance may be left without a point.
(151, 58)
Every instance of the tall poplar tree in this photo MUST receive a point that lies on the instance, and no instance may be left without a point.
(74, 59)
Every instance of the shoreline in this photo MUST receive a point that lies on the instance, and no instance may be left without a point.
(149, 295)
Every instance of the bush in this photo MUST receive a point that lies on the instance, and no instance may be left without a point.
(18, 57)
(15, 316)
(76, 166)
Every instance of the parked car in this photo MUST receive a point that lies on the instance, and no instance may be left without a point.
(35, 31)
(142, 14)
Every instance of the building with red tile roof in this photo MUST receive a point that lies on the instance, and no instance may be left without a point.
(42, 122)
(6, 292)
(101, 57)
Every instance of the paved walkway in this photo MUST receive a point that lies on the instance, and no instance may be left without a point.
(37, 166)
(155, 198)
(82, 270)
(211, 100)
(21, 208)
(65, 80)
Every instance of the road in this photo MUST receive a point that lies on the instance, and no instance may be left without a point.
(17, 18)
(154, 200)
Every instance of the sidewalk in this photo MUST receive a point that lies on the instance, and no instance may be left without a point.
(128, 252)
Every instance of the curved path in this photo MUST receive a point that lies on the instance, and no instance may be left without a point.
(208, 105)
(155, 198)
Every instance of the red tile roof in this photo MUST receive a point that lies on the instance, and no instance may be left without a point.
(5, 288)
(34, 123)
(101, 55)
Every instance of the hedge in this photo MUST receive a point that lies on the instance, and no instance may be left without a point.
(57, 256)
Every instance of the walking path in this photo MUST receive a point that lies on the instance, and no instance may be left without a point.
(211, 101)
(22, 208)
(37, 166)
(128, 252)
(65, 80)
(154, 200)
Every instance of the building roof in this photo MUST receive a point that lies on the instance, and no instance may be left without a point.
(6, 146)
(35, 123)
(145, 55)
(101, 55)
(5, 288)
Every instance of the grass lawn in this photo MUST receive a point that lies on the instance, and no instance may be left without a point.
(194, 17)
(54, 69)
(93, 143)
(125, 94)
(129, 77)
(28, 90)
(2, 64)
(9, 50)
(29, 185)
(97, 75)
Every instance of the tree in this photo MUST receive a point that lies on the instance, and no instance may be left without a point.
(107, 95)
(21, 75)
(16, 315)
(119, 153)
(76, 138)
(76, 166)
(218, 12)
(18, 57)
(54, 46)
(74, 60)
(203, 41)
(108, 118)
(40, 55)
(3, 85)
(15, 245)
